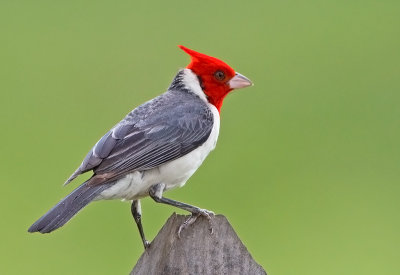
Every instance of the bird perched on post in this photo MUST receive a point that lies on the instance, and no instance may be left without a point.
(156, 147)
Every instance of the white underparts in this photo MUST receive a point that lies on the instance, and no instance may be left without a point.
(173, 173)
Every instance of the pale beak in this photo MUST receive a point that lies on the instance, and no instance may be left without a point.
(239, 81)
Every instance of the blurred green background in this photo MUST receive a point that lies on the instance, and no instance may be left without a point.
(307, 164)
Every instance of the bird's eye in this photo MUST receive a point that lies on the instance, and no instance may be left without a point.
(219, 75)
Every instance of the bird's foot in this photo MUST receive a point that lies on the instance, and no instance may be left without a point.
(146, 244)
(193, 217)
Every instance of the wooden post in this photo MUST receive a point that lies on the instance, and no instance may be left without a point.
(197, 251)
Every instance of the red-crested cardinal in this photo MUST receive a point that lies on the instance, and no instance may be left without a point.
(156, 147)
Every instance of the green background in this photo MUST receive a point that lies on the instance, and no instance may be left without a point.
(307, 163)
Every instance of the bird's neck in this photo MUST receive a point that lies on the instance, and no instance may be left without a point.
(215, 96)
(187, 81)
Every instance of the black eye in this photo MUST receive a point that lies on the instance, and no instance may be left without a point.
(219, 75)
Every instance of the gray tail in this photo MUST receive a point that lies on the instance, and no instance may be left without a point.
(67, 208)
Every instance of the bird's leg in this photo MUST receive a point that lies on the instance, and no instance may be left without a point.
(156, 192)
(136, 210)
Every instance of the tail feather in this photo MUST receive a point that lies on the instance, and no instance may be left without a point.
(67, 208)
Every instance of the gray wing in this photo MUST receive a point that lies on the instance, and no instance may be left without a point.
(156, 132)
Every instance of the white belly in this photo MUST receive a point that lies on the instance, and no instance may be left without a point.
(173, 174)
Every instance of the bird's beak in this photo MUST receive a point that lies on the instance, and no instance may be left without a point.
(239, 81)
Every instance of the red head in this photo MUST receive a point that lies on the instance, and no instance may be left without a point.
(217, 78)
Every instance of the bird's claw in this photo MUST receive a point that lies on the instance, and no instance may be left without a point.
(193, 217)
(206, 213)
(209, 215)
(146, 244)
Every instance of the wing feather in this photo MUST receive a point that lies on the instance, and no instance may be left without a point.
(156, 132)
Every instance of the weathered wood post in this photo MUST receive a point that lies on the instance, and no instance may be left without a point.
(197, 251)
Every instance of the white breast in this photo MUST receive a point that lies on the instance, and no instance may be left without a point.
(173, 174)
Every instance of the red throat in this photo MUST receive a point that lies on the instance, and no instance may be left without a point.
(206, 67)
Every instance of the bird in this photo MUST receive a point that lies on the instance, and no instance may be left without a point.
(156, 147)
